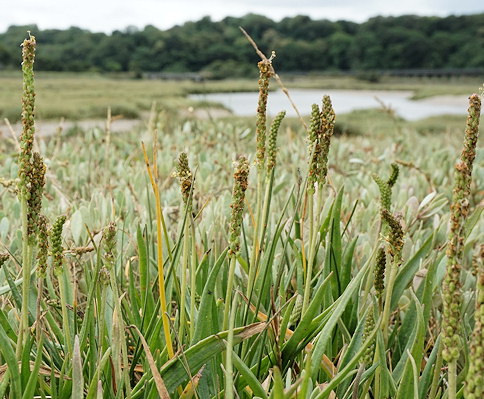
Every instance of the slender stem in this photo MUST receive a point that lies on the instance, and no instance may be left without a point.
(388, 299)
(228, 296)
(65, 315)
(159, 252)
(265, 210)
(452, 379)
(193, 280)
(229, 378)
(256, 244)
(26, 267)
(183, 278)
(40, 290)
(309, 270)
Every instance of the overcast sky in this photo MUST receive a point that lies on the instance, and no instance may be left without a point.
(108, 15)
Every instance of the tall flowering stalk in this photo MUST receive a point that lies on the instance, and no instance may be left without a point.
(241, 176)
(474, 388)
(320, 131)
(31, 183)
(42, 256)
(265, 74)
(451, 291)
(185, 178)
(56, 251)
(395, 247)
(385, 187)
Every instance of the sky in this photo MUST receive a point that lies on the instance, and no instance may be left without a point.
(108, 15)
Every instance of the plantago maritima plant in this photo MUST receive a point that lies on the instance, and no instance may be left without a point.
(474, 387)
(395, 246)
(265, 73)
(185, 177)
(241, 175)
(31, 182)
(451, 290)
(319, 136)
(386, 187)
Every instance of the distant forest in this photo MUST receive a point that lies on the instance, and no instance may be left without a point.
(219, 50)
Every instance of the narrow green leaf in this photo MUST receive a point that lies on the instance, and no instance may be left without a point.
(248, 376)
(29, 389)
(205, 310)
(175, 372)
(408, 270)
(9, 355)
(278, 388)
(324, 336)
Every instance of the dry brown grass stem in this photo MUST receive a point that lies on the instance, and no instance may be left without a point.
(276, 76)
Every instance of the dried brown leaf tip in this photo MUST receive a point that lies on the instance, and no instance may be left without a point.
(3, 258)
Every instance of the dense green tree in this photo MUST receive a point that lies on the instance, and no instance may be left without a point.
(219, 49)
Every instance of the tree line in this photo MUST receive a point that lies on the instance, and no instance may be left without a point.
(218, 49)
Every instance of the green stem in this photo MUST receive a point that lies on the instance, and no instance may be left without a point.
(228, 295)
(183, 277)
(436, 377)
(65, 315)
(310, 260)
(388, 299)
(193, 280)
(452, 379)
(26, 267)
(229, 378)
(255, 246)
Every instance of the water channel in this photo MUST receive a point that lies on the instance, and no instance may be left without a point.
(245, 104)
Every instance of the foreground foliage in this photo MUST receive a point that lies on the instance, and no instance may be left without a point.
(316, 273)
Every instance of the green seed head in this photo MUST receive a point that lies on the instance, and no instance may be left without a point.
(28, 114)
(314, 147)
(459, 211)
(395, 238)
(369, 327)
(56, 249)
(272, 141)
(43, 244)
(36, 191)
(380, 271)
(241, 175)
(474, 384)
(327, 129)
(184, 176)
(109, 245)
(297, 310)
(394, 176)
(265, 73)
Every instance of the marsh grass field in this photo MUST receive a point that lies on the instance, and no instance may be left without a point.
(238, 257)
(87, 96)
